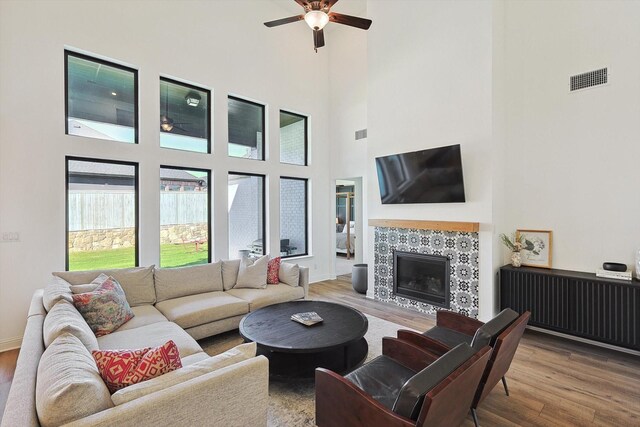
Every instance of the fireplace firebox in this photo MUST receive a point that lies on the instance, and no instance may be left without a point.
(421, 277)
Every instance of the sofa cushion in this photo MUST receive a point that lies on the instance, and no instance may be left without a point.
(183, 281)
(65, 318)
(253, 273)
(194, 358)
(289, 274)
(230, 270)
(68, 385)
(235, 355)
(105, 309)
(409, 400)
(272, 294)
(196, 310)
(123, 368)
(83, 289)
(152, 335)
(56, 290)
(89, 287)
(144, 315)
(137, 282)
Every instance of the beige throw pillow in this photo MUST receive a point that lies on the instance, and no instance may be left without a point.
(56, 290)
(253, 275)
(289, 274)
(68, 385)
(65, 318)
(184, 281)
(230, 357)
(89, 287)
(230, 270)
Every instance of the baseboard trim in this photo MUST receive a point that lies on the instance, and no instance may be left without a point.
(320, 278)
(10, 344)
(585, 340)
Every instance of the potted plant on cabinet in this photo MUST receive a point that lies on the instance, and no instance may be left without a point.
(514, 243)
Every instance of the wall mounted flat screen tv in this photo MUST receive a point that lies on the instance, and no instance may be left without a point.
(425, 176)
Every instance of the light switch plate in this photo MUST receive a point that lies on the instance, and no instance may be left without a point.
(10, 236)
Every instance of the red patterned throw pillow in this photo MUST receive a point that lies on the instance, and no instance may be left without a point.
(105, 309)
(272, 271)
(122, 368)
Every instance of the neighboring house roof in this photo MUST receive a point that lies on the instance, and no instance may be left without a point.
(119, 170)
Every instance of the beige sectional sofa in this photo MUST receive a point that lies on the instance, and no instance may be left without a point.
(183, 304)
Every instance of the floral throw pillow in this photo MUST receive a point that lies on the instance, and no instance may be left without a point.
(105, 309)
(272, 271)
(122, 368)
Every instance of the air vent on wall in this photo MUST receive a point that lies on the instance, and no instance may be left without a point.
(587, 80)
(361, 134)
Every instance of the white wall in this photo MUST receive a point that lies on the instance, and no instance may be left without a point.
(221, 45)
(429, 85)
(572, 158)
(347, 114)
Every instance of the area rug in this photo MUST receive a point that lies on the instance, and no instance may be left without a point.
(292, 402)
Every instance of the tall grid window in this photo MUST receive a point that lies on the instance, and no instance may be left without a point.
(101, 99)
(293, 138)
(293, 217)
(102, 214)
(185, 219)
(184, 116)
(246, 207)
(246, 129)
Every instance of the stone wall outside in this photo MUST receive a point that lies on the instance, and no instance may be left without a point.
(175, 233)
(115, 238)
(96, 240)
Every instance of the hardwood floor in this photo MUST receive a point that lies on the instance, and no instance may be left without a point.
(7, 368)
(552, 381)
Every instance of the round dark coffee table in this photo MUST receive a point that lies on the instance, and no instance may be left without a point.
(294, 349)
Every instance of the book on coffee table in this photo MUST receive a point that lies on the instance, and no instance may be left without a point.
(309, 318)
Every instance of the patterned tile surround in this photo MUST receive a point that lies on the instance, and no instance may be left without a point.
(460, 247)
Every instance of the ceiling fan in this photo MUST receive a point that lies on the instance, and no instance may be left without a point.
(167, 124)
(317, 14)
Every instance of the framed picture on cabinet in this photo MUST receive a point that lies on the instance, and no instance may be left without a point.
(537, 247)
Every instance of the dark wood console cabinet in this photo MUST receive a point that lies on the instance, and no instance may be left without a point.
(575, 303)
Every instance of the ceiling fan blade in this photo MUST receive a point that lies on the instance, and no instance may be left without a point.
(318, 39)
(284, 21)
(328, 4)
(352, 21)
(303, 3)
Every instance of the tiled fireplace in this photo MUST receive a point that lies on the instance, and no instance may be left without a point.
(459, 248)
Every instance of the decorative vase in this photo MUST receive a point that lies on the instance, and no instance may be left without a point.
(516, 259)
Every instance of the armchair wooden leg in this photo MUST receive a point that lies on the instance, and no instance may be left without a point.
(504, 383)
(475, 417)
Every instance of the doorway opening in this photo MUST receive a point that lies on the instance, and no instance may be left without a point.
(349, 227)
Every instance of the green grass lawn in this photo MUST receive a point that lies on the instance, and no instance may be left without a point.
(170, 256)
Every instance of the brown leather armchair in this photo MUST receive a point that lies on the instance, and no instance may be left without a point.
(502, 333)
(406, 386)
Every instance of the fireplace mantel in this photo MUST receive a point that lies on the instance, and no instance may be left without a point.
(469, 227)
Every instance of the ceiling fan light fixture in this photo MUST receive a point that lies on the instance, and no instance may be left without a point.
(316, 19)
(166, 124)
